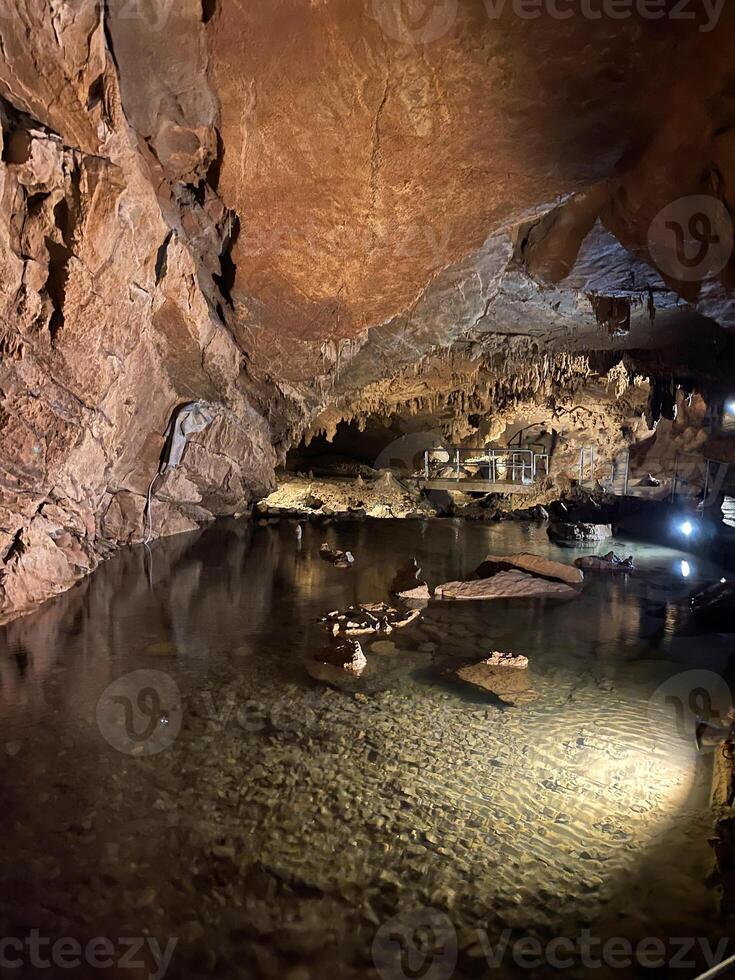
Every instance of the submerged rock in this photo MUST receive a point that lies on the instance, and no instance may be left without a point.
(383, 647)
(534, 565)
(504, 675)
(407, 584)
(606, 563)
(506, 585)
(341, 662)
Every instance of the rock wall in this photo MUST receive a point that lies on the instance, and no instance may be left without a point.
(279, 208)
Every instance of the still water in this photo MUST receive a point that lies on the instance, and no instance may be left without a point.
(172, 777)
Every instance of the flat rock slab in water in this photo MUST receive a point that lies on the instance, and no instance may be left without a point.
(506, 585)
(534, 565)
(509, 682)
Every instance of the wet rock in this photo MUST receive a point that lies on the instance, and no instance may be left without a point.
(340, 559)
(339, 663)
(407, 583)
(605, 563)
(500, 658)
(537, 513)
(567, 533)
(383, 647)
(368, 618)
(504, 675)
(506, 585)
(534, 565)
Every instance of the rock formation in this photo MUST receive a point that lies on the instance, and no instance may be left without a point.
(340, 663)
(407, 582)
(555, 571)
(451, 213)
(504, 674)
(505, 585)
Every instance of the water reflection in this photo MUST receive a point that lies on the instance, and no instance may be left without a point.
(562, 812)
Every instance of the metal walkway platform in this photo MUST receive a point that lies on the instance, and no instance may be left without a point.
(476, 486)
(483, 470)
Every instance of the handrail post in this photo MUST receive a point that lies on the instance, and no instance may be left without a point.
(458, 464)
(426, 464)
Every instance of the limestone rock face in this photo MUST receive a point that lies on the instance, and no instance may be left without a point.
(189, 210)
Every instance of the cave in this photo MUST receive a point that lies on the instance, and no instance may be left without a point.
(367, 489)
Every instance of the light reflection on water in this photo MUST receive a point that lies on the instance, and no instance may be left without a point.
(560, 813)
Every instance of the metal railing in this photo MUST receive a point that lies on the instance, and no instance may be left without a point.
(493, 465)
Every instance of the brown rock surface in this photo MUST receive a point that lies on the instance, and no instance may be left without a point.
(511, 682)
(407, 584)
(191, 210)
(506, 585)
(534, 565)
(340, 663)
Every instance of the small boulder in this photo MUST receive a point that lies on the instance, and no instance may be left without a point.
(606, 563)
(567, 533)
(502, 674)
(340, 559)
(407, 583)
(339, 663)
